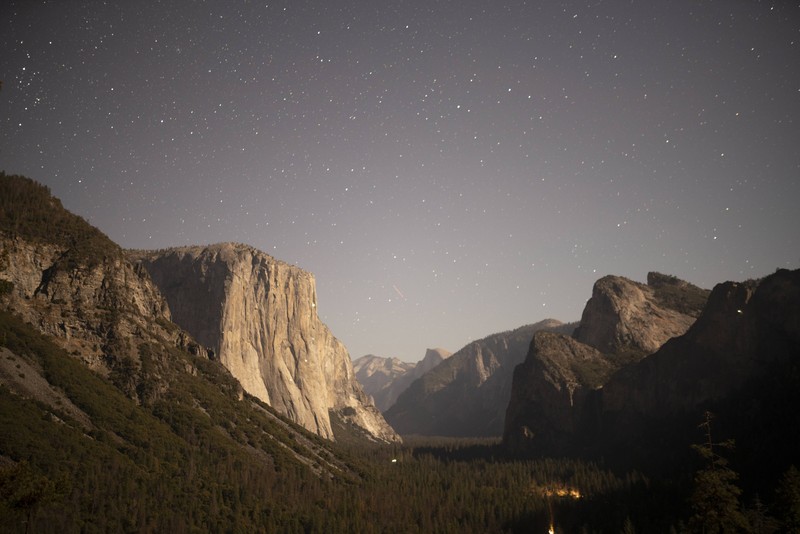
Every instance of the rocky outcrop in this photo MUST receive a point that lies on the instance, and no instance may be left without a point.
(98, 310)
(259, 317)
(622, 322)
(384, 379)
(745, 327)
(626, 316)
(377, 376)
(432, 358)
(550, 391)
(740, 360)
(467, 394)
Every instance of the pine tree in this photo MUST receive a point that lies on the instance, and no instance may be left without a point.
(788, 499)
(715, 499)
(627, 526)
(23, 491)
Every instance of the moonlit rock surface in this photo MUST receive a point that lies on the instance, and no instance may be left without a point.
(550, 388)
(386, 378)
(624, 315)
(622, 323)
(89, 307)
(378, 376)
(259, 317)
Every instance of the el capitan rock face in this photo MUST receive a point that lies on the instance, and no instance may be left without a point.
(258, 315)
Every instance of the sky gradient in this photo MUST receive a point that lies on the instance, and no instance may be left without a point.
(446, 169)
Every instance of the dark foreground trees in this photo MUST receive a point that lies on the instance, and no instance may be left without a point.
(198, 459)
(715, 499)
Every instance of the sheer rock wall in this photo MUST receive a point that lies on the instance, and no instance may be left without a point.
(259, 317)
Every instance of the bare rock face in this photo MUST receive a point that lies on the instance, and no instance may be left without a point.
(378, 376)
(100, 310)
(555, 392)
(386, 378)
(740, 360)
(259, 317)
(550, 389)
(626, 316)
(744, 326)
(466, 394)
(432, 358)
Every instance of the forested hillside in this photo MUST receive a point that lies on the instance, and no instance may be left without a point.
(197, 461)
(153, 436)
(200, 459)
(28, 210)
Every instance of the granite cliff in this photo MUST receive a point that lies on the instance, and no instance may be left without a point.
(100, 311)
(384, 379)
(624, 316)
(746, 329)
(467, 394)
(70, 281)
(737, 365)
(622, 322)
(114, 419)
(377, 375)
(259, 318)
(550, 388)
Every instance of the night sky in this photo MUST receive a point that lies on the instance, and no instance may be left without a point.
(446, 169)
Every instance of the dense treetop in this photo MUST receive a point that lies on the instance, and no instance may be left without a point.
(29, 211)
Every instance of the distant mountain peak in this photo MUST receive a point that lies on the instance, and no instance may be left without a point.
(467, 393)
(387, 378)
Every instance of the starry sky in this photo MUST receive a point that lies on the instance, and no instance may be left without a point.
(446, 169)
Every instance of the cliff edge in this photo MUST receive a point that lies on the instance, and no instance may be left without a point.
(258, 316)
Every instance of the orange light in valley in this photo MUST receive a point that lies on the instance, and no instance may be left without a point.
(559, 491)
(567, 492)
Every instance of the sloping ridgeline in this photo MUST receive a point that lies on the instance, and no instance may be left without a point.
(111, 424)
(467, 394)
(108, 423)
(80, 455)
(147, 436)
(29, 211)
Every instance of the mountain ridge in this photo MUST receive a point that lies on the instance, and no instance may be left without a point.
(739, 360)
(385, 379)
(114, 419)
(259, 317)
(467, 394)
(71, 281)
(622, 322)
